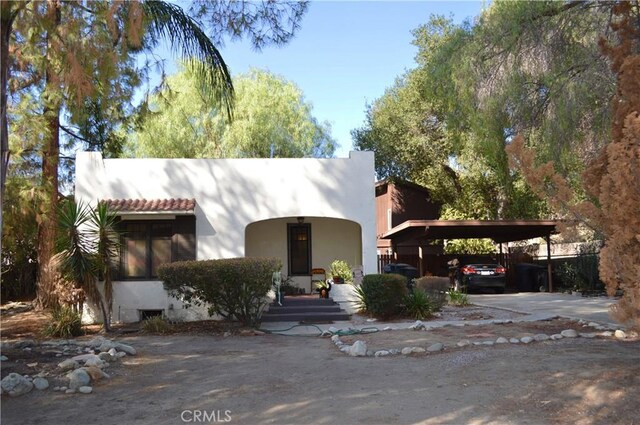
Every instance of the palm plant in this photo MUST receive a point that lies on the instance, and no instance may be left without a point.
(87, 240)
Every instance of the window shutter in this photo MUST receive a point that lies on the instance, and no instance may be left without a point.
(184, 238)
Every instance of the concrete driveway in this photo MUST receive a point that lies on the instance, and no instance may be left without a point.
(595, 309)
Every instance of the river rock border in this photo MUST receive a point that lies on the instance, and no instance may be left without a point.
(359, 347)
(87, 365)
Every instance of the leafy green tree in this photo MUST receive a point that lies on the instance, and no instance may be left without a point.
(76, 62)
(271, 118)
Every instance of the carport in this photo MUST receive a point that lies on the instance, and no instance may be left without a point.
(500, 231)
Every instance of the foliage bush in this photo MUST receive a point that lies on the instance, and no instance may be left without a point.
(341, 268)
(382, 294)
(65, 323)
(419, 305)
(458, 298)
(436, 289)
(156, 324)
(234, 288)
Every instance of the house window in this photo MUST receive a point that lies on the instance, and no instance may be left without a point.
(299, 249)
(148, 244)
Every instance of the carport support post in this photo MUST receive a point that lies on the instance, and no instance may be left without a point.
(549, 277)
(420, 267)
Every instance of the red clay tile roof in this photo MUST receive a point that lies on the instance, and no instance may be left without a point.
(150, 205)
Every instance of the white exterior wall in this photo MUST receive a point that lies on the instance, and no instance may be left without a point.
(230, 194)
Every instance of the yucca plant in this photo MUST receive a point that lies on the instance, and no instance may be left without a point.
(64, 323)
(458, 298)
(156, 324)
(87, 240)
(418, 304)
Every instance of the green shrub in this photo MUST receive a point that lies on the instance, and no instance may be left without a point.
(156, 324)
(383, 294)
(65, 323)
(234, 288)
(458, 298)
(341, 268)
(436, 289)
(418, 305)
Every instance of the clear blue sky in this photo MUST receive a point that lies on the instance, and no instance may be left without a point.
(346, 54)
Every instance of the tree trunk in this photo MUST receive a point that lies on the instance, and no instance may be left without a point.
(46, 297)
(8, 12)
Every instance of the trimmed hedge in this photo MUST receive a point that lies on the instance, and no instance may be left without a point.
(235, 288)
(383, 294)
(436, 288)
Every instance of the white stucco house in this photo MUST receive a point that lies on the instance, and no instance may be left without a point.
(307, 212)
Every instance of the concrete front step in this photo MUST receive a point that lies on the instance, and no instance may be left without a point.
(273, 309)
(302, 301)
(306, 317)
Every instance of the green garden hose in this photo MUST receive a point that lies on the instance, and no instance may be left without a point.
(339, 332)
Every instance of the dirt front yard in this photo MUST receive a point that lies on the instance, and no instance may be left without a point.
(305, 380)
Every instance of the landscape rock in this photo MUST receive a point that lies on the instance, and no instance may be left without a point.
(526, 339)
(406, 350)
(85, 390)
(95, 342)
(335, 339)
(40, 383)
(4, 358)
(417, 325)
(382, 353)
(620, 334)
(569, 333)
(463, 343)
(84, 357)
(541, 337)
(16, 385)
(25, 343)
(68, 364)
(345, 348)
(514, 340)
(607, 333)
(593, 324)
(556, 337)
(105, 357)
(358, 349)
(489, 343)
(128, 349)
(70, 391)
(78, 378)
(95, 373)
(502, 340)
(438, 346)
(106, 346)
(588, 334)
(388, 328)
(120, 354)
(94, 361)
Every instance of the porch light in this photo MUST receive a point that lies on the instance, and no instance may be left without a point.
(300, 220)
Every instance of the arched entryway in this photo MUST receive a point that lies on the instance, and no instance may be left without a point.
(304, 243)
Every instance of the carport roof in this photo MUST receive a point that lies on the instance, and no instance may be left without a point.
(498, 230)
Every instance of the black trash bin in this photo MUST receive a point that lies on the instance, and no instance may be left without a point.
(531, 278)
